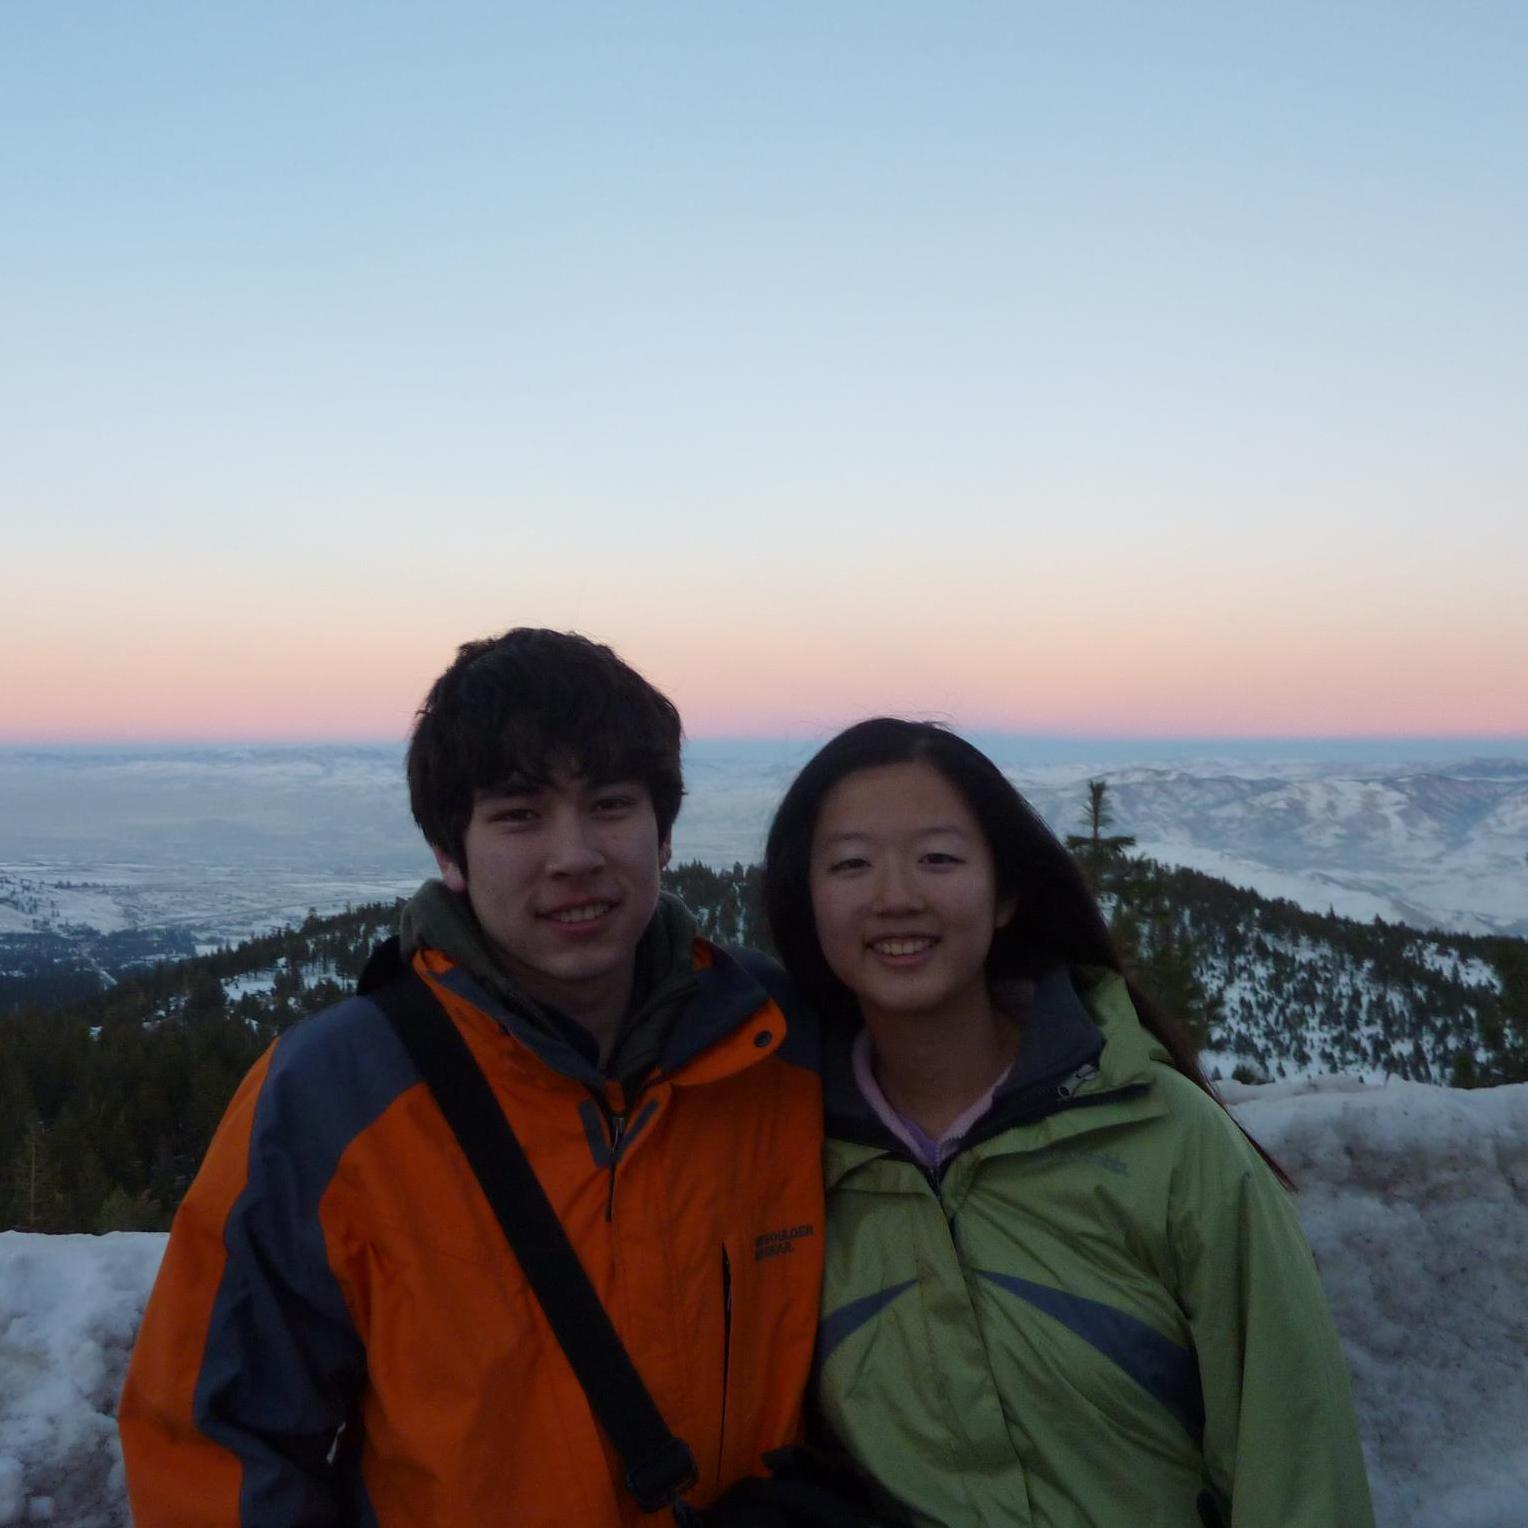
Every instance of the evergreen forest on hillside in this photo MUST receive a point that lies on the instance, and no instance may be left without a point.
(108, 1098)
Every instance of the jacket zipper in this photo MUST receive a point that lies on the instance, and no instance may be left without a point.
(617, 1131)
(721, 1438)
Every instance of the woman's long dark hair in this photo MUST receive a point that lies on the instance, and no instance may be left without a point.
(1057, 919)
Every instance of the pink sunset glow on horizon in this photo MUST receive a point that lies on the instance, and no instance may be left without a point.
(740, 688)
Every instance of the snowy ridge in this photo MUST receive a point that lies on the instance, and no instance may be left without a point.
(1296, 994)
(1414, 1198)
(233, 841)
(1317, 1011)
(1442, 847)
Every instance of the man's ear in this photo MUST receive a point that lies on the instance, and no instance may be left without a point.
(665, 849)
(450, 871)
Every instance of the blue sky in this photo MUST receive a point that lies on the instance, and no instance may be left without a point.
(1104, 368)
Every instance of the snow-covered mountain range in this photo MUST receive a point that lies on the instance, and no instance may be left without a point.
(225, 842)
(1441, 846)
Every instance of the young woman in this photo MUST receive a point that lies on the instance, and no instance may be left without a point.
(1063, 1289)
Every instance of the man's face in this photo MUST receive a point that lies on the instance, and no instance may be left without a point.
(563, 878)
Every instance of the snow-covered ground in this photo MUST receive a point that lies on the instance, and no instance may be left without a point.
(1415, 1200)
(69, 1306)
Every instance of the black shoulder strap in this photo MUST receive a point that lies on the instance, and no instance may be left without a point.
(658, 1465)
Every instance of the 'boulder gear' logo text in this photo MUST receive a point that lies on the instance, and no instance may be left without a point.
(777, 1243)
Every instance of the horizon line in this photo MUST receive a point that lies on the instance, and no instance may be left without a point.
(177, 742)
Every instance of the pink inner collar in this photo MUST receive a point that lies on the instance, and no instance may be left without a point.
(930, 1152)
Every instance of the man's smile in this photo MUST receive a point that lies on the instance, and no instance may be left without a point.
(582, 912)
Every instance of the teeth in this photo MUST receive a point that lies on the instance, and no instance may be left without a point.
(903, 946)
(581, 914)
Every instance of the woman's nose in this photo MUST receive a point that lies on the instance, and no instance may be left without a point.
(895, 890)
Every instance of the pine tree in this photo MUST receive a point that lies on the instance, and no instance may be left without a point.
(1116, 878)
(121, 1211)
(1165, 965)
(1101, 855)
(36, 1203)
(1505, 1033)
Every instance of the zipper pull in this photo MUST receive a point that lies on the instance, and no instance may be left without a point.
(1075, 1081)
(617, 1130)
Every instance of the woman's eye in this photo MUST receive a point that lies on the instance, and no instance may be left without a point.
(838, 867)
(936, 857)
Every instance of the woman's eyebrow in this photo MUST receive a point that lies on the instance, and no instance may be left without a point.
(846, 835)
(843, 836)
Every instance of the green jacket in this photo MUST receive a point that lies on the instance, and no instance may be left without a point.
(1101, 1313)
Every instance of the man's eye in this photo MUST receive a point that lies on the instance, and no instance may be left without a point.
(612, 804)
(512, 816)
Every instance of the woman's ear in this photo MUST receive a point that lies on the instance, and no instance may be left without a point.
(1007, 906)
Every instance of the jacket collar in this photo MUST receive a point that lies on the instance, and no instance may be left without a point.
(707, 1035)
(438, 919)
(1081, 1039)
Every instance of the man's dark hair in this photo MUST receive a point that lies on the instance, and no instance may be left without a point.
(513, 709)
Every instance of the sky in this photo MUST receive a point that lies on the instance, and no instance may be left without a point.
(1099, 370)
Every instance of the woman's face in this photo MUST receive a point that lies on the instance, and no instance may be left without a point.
(904, 892)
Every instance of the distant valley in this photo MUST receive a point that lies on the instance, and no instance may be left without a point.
(213, 845)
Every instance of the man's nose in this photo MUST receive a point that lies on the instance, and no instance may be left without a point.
(574, 845)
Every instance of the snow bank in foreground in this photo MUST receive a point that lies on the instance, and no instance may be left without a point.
(1415, 1200)
(69, 1306)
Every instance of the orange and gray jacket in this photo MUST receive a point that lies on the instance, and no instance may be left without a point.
(340, 1335)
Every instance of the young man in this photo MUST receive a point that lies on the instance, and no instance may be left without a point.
(340, 1333)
